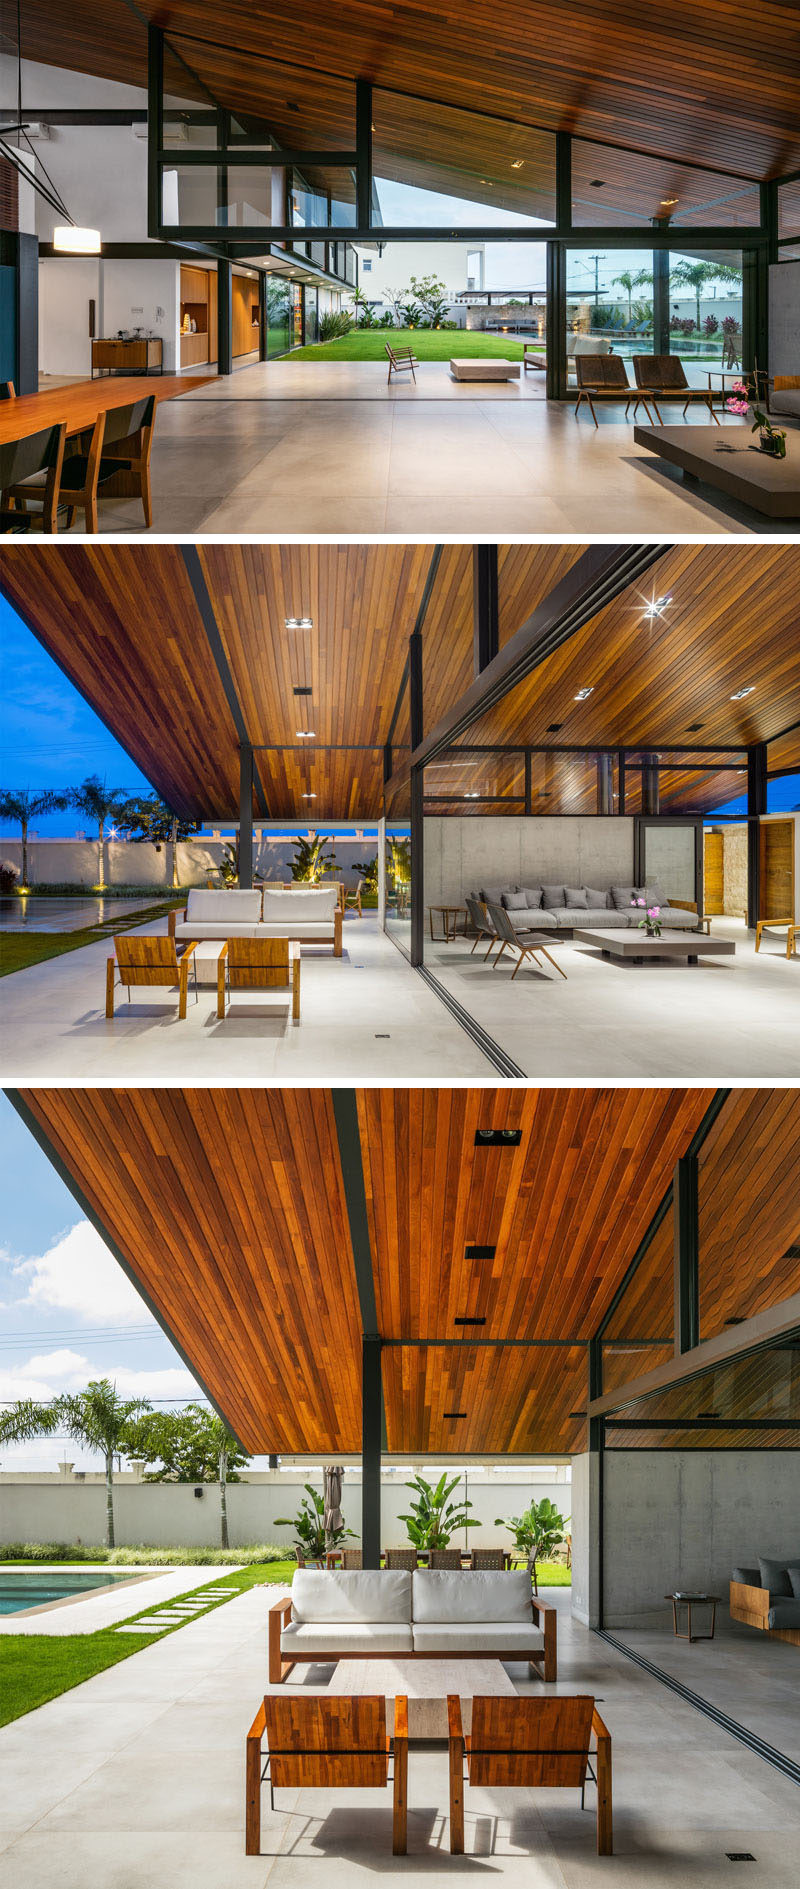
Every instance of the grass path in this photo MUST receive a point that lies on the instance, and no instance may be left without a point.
(429, 344)
(19, 949)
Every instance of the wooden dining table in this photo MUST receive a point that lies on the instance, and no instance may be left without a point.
(79, 403)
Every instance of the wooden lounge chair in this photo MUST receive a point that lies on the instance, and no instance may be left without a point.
(605, 377)
(662, 377)
(37, 457)
(483, 926)
(258, 964)
(528, 943)
(327, 1743)
(529, 1742)
(399, 359)
(149, 962)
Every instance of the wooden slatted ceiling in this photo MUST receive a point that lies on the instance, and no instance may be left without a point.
(652, 678)
(619, 72)
(764, 1386)
(228, 1207)
(516, 1402)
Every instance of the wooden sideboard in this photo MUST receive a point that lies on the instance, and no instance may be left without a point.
(128, 357)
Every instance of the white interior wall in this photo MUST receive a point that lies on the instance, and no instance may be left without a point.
(462, 854)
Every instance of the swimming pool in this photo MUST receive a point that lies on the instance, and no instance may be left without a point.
(21, 1588)
(68, 914)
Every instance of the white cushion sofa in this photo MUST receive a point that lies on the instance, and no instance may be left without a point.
(337, 1614)
(310, 915)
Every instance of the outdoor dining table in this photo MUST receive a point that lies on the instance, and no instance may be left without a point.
(79, 403)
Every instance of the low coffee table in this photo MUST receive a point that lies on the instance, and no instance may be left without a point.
(426, 1683)
(635, 946)
(769, 485)
(464, 368)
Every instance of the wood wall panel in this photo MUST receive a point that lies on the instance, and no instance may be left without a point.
(619, 72)
(776, 840)
(228, 1207)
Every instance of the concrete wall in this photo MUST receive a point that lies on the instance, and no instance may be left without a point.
(784, 317)
(734, 870)
(65, 1509)
(685, 1518)
(462, 854)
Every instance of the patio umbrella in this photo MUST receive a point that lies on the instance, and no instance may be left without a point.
(333, 1475)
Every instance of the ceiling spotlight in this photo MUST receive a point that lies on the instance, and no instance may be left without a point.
(597, 183)
(306, 734)
(472, 796)
(517, 163)
(299, 623)
(741, 693)
(657, 607)
(309, 796)
(666, 203)
(582, 694)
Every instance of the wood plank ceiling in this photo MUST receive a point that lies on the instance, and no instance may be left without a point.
(611, 72)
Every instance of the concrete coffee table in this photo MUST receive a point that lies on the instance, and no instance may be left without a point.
(769, 485)
(464, 369)
(426, 1682)
(639, 949)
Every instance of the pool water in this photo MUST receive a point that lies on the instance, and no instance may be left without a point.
(46, 914)
(34, 1587)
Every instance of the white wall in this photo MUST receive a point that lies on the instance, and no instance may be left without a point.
(585, 1516)
(75, 862)
(462, 854)
(64, 1509)
(685, 1518)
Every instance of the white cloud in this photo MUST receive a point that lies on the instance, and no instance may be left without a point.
(46, 1374)
(79, 1275)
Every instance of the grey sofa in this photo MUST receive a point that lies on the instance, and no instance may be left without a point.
(768, 1597)
(562, 908)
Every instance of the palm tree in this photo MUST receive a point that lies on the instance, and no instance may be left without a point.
(96, 1418)
(23, 805)
(98, 802)
(695, 275)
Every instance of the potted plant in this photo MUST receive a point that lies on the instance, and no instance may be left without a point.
(311, 1538)
(434, 1518)
(772, 439)
(537, 1531)
(651, 922)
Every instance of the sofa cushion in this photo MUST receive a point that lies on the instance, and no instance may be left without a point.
(340, 1637)
(493, 894)
(624, 895)
(564, 918)
(244, 907)
(655, 895)
(748, 1577)
(303, 905)
(794, 1576)
(785, 1614)
(478, 1636)
(552, 896)
(672, 915)
(441, 1595)
(362, 1594)
(776, 1578)
(596, 901)
(575, 898)
(515, 901)
(320, 928)
(208, 928)
(606, 921)
(538, 921)
(533, 896)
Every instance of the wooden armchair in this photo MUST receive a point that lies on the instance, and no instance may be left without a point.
(529, 1743)
(150, 962)
(400, 358)
(605, 377)
(327, 1743)
(662, 376)
(258, 964)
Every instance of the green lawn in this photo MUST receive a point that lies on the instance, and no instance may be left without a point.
(19, 949)
(429, 344)
(37, 1667)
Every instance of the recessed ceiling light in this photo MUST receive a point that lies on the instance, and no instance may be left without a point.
(498, 1137)
(309, 796)
(469, 1321)
(299, 623)
(472, 796)
(740, 693)
(597, 183)
(665, 203)
(454, 1416)
(657, 607)
(479, 1252)
(306, 734)
(301, 690)
(553, 727)
(582, 694)
(695, 727)
(517, 163)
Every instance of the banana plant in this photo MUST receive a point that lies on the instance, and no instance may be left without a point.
(537, 1531)
(311, 1538)
(434, 1518)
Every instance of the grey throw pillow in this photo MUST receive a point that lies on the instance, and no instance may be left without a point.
(552, 896)
(793, 1572)
(655, 896)
(533, 896)
(491, 894)
(515, 901)
(749, 1577)
(775, 1577)
(595, 901)
(576, 898)
(623, 896)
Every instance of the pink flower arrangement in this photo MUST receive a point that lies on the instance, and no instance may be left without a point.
(651, 922)
(737, 401)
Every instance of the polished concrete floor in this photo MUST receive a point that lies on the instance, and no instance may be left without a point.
(369, 1015)
(314, 447)
(729, 1017)
(135, 1780)
(743, 1672)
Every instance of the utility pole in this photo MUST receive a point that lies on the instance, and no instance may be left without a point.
(596, 259)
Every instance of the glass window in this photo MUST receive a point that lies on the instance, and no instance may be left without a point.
(642, 301)
(625, 190)
(279, 329)
(789, 209)
(748, 1205)
(435, 164)
(750, 1402)
(460, 782)
(639, 1334)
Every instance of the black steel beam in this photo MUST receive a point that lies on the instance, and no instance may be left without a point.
(605, 784)
(345, 1109)
(756, 807)
(371, 1414)
(485, 606)
(417, 821)
(686, 1267)
(263, 324)
(224, 316)
(74, 1188)
(646, 240)
(600, 574)
(245, 817)
(247, 157)
(363, 152)
(155, 127)
(528, 782)
(194, 572)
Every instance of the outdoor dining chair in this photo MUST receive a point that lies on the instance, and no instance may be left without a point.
(120, 443)
(605, 377)
(353, 898)
(399, 359)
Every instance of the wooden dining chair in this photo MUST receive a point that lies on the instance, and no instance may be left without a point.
(37, 458)
(352, 1558)
(326, 1743)
(527, 1743)
(7, 390)
(115, 453)
(401, 1558)
(143, 962)
(258, 964)
(445, 1558)
(488, 1560)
